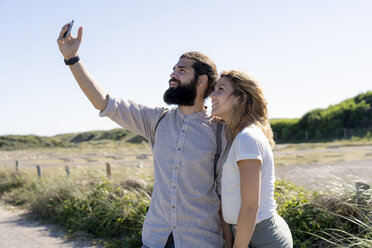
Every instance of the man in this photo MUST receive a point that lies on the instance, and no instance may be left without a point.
(184, 205)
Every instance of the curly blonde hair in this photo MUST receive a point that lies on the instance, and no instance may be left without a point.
(251, 107)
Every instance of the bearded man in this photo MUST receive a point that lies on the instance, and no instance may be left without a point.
(184, 208)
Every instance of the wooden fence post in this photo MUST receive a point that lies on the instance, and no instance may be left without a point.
(67, 169)
(108, 170)
(38, 171)
(16, 165)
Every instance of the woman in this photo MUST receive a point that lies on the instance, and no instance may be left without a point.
(248, 172)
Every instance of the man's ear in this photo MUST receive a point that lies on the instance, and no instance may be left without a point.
(202, 79)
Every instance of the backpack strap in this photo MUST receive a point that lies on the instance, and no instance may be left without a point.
(219, 147)
(160, 118)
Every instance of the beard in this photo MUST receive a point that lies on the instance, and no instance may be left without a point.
(183, 95)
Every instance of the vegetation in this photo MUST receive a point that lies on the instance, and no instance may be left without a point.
(114, 210)
(14, 142)
(338, 219)
(111, 210)
(350, 118)
(11, 180)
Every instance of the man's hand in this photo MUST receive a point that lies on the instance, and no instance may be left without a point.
(69, 45)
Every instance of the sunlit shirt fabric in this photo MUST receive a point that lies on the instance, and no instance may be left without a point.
(184, 199)
(250, 143)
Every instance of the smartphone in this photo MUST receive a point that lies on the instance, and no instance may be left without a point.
(69, 28)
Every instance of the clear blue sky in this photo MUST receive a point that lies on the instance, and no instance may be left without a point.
(306, 54)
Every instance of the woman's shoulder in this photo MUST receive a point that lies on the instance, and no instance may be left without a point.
(251, 131)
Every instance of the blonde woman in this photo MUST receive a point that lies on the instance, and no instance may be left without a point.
(248, 173)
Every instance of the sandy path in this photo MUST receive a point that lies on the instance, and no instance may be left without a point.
(17, 231)
(327, 176)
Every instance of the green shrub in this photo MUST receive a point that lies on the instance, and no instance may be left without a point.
(353, 115)
(115, 210)
(10, 180)
(83, 137)
(137, 139)
(319, 220)
(104, 209)
(13, 142)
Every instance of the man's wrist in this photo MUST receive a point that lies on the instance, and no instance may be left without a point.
(70, 56)
(72, 60)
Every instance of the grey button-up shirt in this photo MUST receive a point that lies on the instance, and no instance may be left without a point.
(184, 199)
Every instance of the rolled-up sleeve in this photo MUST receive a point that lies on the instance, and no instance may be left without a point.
(137, 118)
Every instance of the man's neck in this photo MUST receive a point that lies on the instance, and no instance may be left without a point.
(197, 107)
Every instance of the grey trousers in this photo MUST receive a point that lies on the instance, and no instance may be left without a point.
(270, 233)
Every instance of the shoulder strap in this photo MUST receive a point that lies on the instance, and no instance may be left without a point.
(160, 118)
(219, 147)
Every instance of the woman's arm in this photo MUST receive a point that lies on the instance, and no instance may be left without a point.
(250, 184)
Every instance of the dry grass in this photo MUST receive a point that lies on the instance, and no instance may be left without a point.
(98, 153)
(88, 169)
(309, 153)
(112, 152)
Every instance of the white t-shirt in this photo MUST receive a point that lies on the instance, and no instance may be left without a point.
(250, 143)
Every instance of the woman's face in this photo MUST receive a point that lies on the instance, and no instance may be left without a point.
(223, 99)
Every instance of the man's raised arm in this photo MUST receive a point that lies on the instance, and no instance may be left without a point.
(69, 47)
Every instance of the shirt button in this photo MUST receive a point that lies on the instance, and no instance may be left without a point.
(176, 168)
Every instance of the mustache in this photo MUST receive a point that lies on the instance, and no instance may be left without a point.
(174, 80)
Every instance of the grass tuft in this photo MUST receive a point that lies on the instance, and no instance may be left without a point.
(326, 220)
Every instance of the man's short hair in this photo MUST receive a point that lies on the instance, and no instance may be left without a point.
(203, 65)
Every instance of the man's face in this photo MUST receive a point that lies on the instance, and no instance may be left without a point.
(182, 84)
